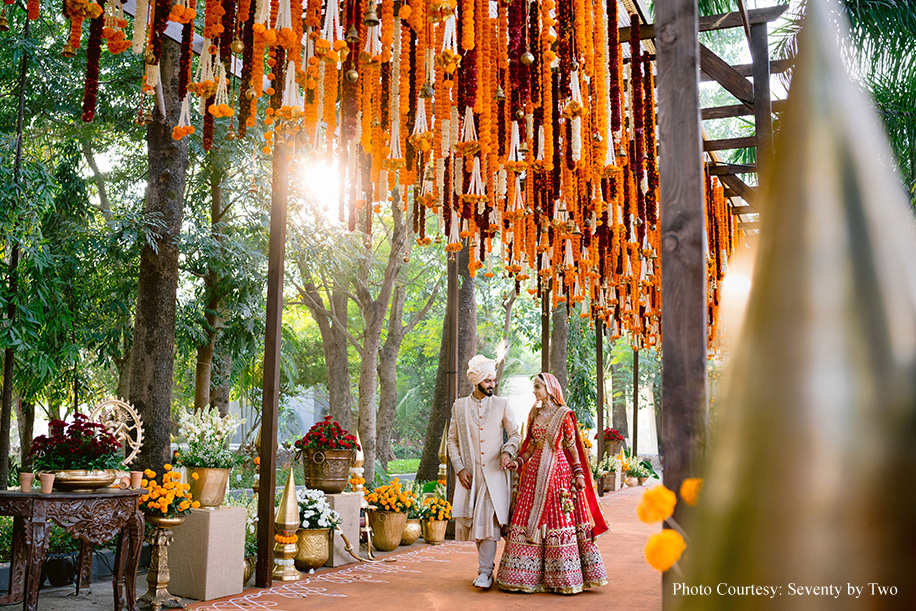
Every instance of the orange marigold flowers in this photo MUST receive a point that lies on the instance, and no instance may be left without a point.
(657, 504)
(690, 490)
(286, 539)
(195, 476)
(664, 549)
(257, 460)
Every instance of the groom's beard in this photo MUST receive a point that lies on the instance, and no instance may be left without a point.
(485, 391)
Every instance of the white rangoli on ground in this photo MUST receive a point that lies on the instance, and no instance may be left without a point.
(328, 583)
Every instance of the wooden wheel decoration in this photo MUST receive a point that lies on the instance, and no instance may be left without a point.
(124, 423)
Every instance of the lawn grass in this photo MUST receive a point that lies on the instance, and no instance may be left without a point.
(403, 465)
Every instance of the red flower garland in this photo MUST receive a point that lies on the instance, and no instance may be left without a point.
(93, 53)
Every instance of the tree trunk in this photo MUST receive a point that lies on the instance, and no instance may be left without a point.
(219, 392)
(387, 368)
(502, 352)
(373, 313)
(559, 342)
(467, 347)
(204, 369)
(152, 355)
(387, 377)
(6, 398)
(334, 344)
(122, 366)
(618, 403)
(25, 416)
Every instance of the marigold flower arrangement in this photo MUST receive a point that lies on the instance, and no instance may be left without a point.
(664, 549)
(81, 444)
(434, 508)
(392, 497)
(169, 499)
(326, 434)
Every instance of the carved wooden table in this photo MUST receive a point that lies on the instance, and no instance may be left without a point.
(92, 517)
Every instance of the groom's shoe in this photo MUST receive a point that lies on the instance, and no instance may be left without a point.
(483, 581)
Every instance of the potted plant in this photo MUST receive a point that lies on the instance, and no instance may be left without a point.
(412, 528)
(167, 503)
(207, 457)
(316, 520)
(388, 514)
(327, 450)
(436, 513)
(83, 455)
(250, 503)
(612, 441)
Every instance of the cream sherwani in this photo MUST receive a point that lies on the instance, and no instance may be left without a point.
(475, 443)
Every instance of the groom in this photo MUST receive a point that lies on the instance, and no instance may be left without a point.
(480, 458)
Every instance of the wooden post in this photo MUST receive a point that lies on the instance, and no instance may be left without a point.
(276, 251)
(545, 328)
(599, 366)
(763, 114)
(682, 257)
(635, 399)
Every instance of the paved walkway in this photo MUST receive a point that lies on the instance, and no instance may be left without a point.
(435, 577)
(439, 578)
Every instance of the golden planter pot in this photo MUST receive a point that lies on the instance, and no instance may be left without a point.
(162, 521)
(327, 470)
(76, 480)
(631, 481)
(387, 529)
(412, 531)
(434, 531)
(250, 565)
(313, 548)
(210, 486)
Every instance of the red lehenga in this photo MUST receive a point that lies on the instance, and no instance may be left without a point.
(550, 541)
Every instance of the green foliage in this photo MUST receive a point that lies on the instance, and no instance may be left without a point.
(581, 390)
(409, 465)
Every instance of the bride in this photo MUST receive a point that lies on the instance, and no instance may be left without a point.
(550, 541)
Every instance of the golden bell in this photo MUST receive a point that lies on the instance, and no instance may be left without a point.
(527, 58)
(427, 91)
(68, 48)
(231, 135)
(4, 22)
(251, 93)
(500, 95)
(352, 75)
(371, 17)
(237, 46)
(519, 114)
(352, 34)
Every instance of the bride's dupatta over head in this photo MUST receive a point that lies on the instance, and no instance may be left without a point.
(556, 416)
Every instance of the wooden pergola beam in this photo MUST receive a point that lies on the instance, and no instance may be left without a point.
(730, 143)
(738, 110)
(729, 168)
(716, 22)
(725, 75)
(747, 70)
(741, 188)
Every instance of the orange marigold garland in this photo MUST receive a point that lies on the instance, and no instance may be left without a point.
(93, 53)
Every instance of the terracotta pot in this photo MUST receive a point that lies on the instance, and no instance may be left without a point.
(327, 470)
(210, 486)
(412, 532)
(387, 529)
(313, 548)
(25, 481)
(47, 482)
(77, 480)
(434, 531)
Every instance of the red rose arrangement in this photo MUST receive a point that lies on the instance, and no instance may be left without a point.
(82, 444)
(327, 435)
(611, 435)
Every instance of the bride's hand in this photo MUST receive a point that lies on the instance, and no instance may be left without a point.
(580, 482)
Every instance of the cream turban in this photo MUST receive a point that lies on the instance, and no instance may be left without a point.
(480, 368)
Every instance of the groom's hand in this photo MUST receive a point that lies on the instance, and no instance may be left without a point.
(465, 478)
(505, 461)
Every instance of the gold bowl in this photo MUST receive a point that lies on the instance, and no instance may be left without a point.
(79, 480)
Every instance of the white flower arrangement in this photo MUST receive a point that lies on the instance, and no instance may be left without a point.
(315, 510)
(207, 434)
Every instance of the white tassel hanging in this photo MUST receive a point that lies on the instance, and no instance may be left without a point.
(394, 142)
(262, 12)
(570, 262)
(420, 126)
(540, 155)
(332, 28)
(501, 187)
(514, 144)
(374, 41)
(453, 237)
(576, 128)
(138, 41)
(450, 36)
(470, 133)
(284, 16)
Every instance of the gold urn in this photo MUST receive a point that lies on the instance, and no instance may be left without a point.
(313, 548)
